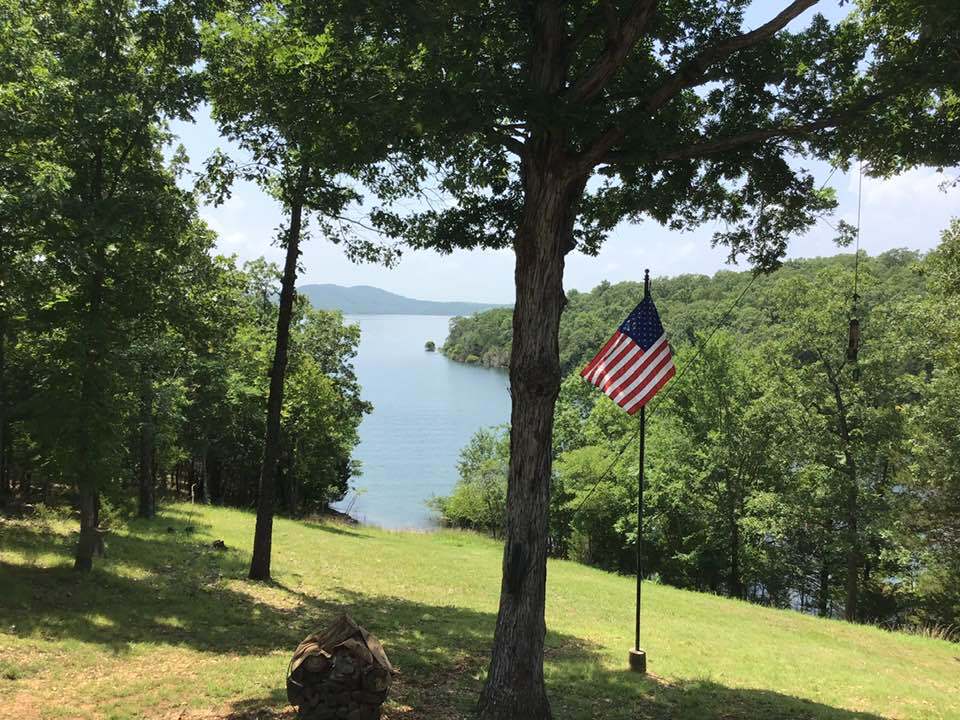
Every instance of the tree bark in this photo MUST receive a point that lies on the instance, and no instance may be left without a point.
(515, 686)
(5, 488)
(147, 505)
(87, 544)
(736, 582)
(851, 606)
(91, 394)
(263, 535)
(215, 477)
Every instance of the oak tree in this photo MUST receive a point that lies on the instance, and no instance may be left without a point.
(548, 123)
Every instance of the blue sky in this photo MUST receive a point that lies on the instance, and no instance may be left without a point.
(907, 211)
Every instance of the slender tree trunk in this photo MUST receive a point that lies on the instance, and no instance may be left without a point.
(203, 484)
(5, 488)
(91, 393)
(515, 687)
(291, 488)
(823, 594)
(263, 535)
(852, 510)
(89, 539)
(736, 582)
(215, 475)
(851, 609)
(6, 461)
(147, 506)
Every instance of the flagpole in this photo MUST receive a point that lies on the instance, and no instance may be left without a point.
(638, 657)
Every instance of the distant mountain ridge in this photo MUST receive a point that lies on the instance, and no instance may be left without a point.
(368, 300)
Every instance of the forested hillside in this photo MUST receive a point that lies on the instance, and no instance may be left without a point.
(688, 305)
(782, 467)
(366, 300)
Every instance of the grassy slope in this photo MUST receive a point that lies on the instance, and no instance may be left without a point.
(167, 628)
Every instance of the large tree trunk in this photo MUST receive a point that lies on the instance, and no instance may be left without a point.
(263, 535)
(515, 687)
(147, 505)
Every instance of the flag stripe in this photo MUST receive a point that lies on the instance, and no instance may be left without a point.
(603, 351)
(636, 368)
(642, 373)
(651, 389)
(601, 360)
(627, 356)
(666, 378)
(622, 345)
(649, 379)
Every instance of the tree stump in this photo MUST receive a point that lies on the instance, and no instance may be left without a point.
(341, 673)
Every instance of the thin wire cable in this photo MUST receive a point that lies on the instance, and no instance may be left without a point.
(824, 183)
(668, 389)
(666, 392)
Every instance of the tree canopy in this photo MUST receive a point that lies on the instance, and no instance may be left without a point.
(546, 124)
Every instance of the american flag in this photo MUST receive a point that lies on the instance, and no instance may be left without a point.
(636, 362)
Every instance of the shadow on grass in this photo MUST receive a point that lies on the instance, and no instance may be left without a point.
(173, 589)
(334, 528)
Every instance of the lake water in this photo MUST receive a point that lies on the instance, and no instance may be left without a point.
(425, 409)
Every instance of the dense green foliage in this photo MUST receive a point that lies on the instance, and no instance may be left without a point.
(778, 470)
(784, 470)
(129, 356)
(209, 386)
(688, 305)
(485, 337)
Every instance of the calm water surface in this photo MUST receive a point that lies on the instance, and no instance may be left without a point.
(425, 408)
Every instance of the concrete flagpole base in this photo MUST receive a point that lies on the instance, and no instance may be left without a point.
(638, 661)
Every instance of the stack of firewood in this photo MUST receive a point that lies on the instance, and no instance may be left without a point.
(341, 673)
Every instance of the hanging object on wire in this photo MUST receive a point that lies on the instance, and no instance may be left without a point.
(853, 340)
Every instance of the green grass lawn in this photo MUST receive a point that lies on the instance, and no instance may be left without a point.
(167, 627)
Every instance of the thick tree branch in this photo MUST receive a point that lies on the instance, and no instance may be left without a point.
(517, 147)
(753, 137)
(622, 36)
(711, 147)
(691, 73)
